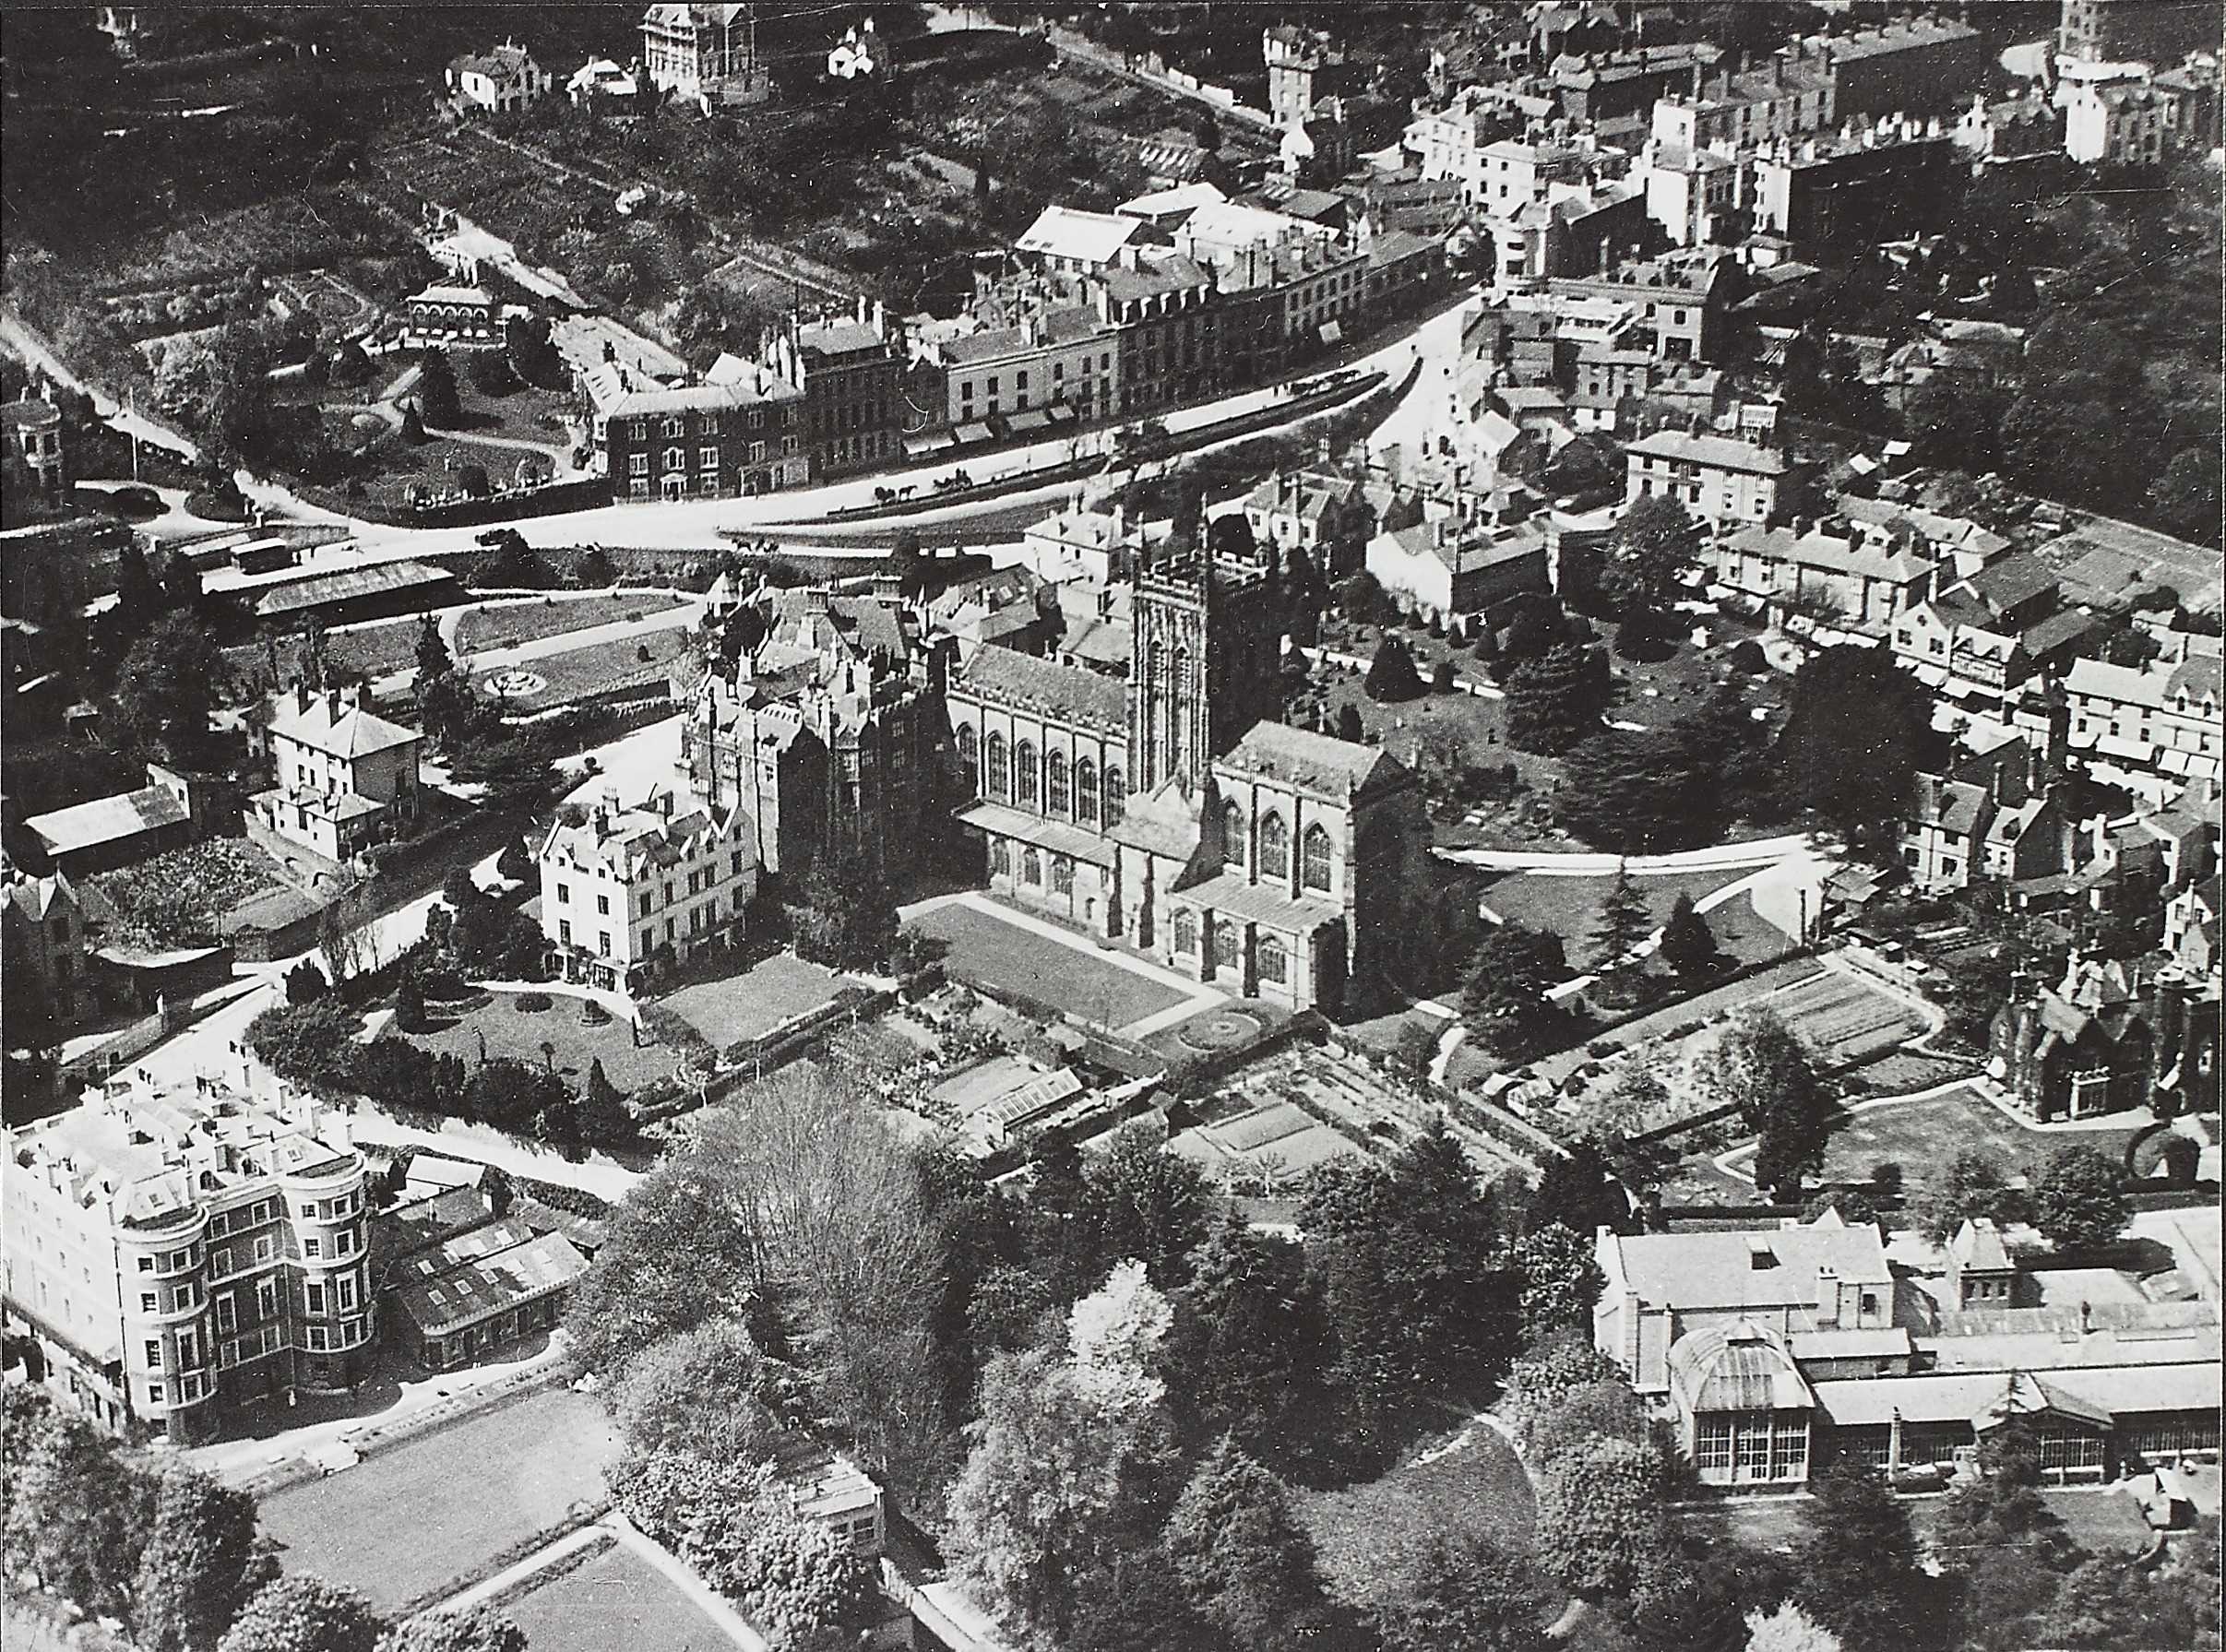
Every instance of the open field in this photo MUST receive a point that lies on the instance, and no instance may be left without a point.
(402, 1522)
(502, 1029)
(1371, 1538)
(750, 1004)
(987, 951)
(616, 1598)
(507, 624)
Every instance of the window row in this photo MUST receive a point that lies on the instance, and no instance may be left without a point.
(1027, 778)
(1271, 957)
(1271, 853)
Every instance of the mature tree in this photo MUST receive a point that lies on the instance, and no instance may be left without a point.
(680, 1497)
(1635, 793)
(1055, 1486)
(601, 1113)
(594, 571)
(1578, 1191)
(476, 1629)
(1553, 1377)
(1467, 1597)
(1114, 1338)
(678, 1255)
(306, 984)
(165, 690)
(708, 1390)
(304, 1614)
(834, 1225)
(1760, 1065)
(906, 563)
(436, 390)
(513, 564)
(1250, 1345)
(1504, 999)
(800, 1580)
(1623, 921)
(2078, 1201)
(87, 1514)
(1974, 1186)
(1687, 945)
(1240, 1554)
(1126, 1604)
(1694, 1595)
(2185, 496)
(1349, 723)
(1208, 131)
(1859, 731)
(1600, 1516)
(1148, 1204)
(1560, 1279)
(1391, 674)
(847, 918)
(433, 660)
(1656, 545)
(1557, 700)
(515, 864)
(1857, 1560)
(1788, 1629)
(202, 1563)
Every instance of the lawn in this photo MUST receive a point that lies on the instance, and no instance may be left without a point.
(507, 624)
(987, 951)
(616, 1599)
(405, 1520)
(2106, 1521)
(1371, 1538)
(1569, 906)
(584, 674)
(504, 1029)
(1923, 1136)
(751, 1005)
(521, 414)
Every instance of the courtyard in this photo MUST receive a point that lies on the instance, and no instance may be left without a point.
(739, 1008)
(405, 1520)
(1005, 956)
(556, 1037)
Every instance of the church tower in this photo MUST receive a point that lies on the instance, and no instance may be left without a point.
(1204, 665)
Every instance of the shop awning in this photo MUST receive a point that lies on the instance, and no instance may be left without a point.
(1331, 332)
(1060, 413)
(1028, 419)
(976, 432)
(916, 445)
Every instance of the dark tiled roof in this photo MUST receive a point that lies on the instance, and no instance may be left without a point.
(1002, 677)
(1319, 763)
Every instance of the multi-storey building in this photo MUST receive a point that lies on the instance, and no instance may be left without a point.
(853, 377)
(740, 432)
(629, 892)
(177, 1253)
(830, 737)
(2156, 32)
(1719, 479)
(2131, 122)
(2110, 1037)
(1790, 97)
(1614, 87)
(2160, 719)
(1811, 568)
(499, 81)
(1168, 815)
(1167, 340)
(1910, 65)
(47, 927)
(1995, 132)
(446, 316)
(1867, 187)
(1060, 355)
(345, 777)
(1684, 297)
(706, 53)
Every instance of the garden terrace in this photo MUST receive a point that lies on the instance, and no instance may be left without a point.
(497, 1025)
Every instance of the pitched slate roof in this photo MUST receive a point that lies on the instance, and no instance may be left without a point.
(1320, 764)
(1066, 693)
(1699, 1270)
(336, 727)
(1721, 452)
(107, 819)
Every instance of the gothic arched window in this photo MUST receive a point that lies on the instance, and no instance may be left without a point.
(1232, 836)
(1187, 931)
(1116, 794)
(1054, 783)
(999, 780)
(1086, 790)
(1270, 960)
(1313, 860)
(1024, 775)
(1274, 846)
(970, 757)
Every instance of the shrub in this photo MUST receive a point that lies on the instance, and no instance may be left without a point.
(531, 1003)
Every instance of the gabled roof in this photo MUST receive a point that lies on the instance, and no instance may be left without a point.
(108, 819)
(1723, 452)
(336, 727)
(1319, 764)
(1068, 692)
(1085, 237)
(1977, 1246)
(1720, 1269)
